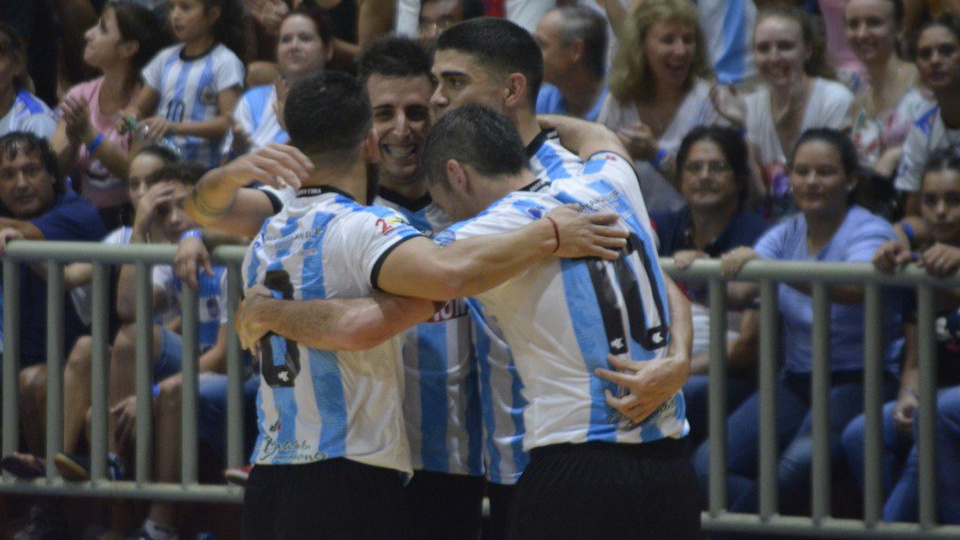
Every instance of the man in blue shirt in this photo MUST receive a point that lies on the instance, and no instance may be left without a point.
(37, 204)
(574, 44)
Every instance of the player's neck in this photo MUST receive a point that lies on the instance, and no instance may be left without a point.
(526, 123)
(350, 178)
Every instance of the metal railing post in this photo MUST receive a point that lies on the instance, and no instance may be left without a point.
(188, 392)
(11, 355)
(718, 396)
(99, 373)
(55, 355)
(820, 402)
(874, 365)
(768, 372)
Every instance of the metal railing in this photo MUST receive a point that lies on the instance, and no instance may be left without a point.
(55, 255)
(768, 274)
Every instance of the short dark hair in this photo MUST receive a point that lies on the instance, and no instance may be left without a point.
(328, 114)
(475, 136)
(185, 173)
(392, 56)
(733, 147)
(586, 24)
(15, 142)
(501, 46)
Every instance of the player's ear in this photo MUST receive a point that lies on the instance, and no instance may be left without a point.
(514, 90)
(457, 176)
(371, 147)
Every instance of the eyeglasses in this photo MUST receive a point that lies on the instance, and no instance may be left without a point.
(715, 166)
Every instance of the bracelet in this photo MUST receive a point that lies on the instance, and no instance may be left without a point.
(93, 146)
(657, 160)
(742, 132)
(556, 233)
(908, 232)
(156, 391)
(190, 233)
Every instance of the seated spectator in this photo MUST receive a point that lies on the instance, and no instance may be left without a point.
(86, 142)
(827, 228)
(659, 92)
(37, 204)
(574, 44)
(939, 208)
(918, 12)
(796, 96)
(893, 99)
(304, 47)
(19, 109)
(938, 60)
(713, 165)
(429, 18)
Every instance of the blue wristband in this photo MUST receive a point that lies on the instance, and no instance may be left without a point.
(908, 232)
(190, 233)
(156, 391)
(742, 132)
(97, 141)
(657, 160)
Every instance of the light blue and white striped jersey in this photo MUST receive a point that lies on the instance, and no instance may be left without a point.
(28, 113)
(549, 160)
(315, 405)
(189, 88)
(563, 317)
(211, 297)
(501, 399)
(728, 31)
(256, 115)
(441, 404)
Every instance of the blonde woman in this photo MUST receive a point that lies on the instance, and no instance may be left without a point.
(659, 91)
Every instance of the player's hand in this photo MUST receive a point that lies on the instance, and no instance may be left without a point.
(125, 415)
(249, 323)
(940, 260)
(891, 255)
(191, 256)
(277, 165)
(649, 384)
(8, 235)
(729, 104)
(587, 235)
(683, 259)
(905, 411)
(732, 262)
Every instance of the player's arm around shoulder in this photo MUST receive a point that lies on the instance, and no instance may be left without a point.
(493, 248)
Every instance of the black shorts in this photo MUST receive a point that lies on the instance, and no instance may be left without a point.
(330, 499)
(601, 490)
(500, 496)
(444, 506)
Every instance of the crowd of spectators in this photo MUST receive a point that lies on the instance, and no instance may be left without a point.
(760, 129)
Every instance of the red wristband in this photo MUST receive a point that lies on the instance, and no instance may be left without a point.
(556, 233)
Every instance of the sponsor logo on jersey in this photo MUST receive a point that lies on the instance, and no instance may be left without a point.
(453, 309)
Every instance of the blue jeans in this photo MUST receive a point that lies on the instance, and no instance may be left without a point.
(794, 441)
(696, 398)
(900, 469)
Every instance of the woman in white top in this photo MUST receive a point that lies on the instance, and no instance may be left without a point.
(892, 103)
(658, 92)
(796, 96)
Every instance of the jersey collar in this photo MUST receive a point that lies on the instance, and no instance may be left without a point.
(314, 191)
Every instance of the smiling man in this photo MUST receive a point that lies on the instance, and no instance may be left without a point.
(441, 406)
